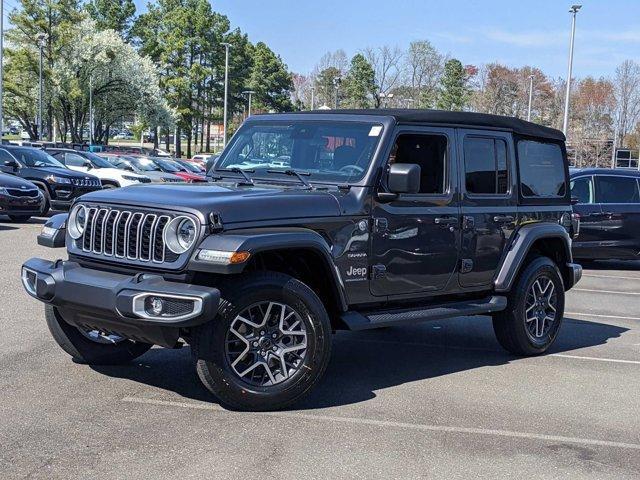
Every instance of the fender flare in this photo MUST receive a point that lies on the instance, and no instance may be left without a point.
(520, 246)
(255, 241)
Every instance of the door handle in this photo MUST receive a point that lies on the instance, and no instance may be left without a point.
(503, 219)
(446, 221)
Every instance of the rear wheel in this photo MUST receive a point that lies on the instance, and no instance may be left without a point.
(46, 203)
(532, 320)
(92, 346)
(267, 347)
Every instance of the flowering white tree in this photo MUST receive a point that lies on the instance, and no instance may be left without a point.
(121, 81)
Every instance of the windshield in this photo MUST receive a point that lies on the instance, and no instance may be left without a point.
(97, 160)
(167, 165)
(330, 152)
(188, 166)
(143, 164)
(32, 157)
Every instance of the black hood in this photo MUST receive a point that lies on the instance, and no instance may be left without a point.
(233, 203)
(9, 181)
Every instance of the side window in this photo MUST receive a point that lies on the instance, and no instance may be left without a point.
(542, 170)
(5, 156)
(74, 160)
(611, 189)
(582, 189)
(428, 151)
(485, 162)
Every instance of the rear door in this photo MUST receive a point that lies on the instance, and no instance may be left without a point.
(489, 203)
(620, 200)
(587, 244)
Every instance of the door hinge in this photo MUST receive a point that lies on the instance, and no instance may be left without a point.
(466, 265)
(378, 271)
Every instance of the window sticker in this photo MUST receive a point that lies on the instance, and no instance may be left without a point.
(375, 131)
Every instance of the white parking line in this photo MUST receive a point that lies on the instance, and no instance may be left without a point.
(392, 424)
(595, 359)
(604, 291)
(611, 276)
(596, 315)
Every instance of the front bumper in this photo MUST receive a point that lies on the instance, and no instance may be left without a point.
(120, 304)
(10, 205)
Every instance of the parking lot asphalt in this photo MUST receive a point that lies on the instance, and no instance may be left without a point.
(437, 400)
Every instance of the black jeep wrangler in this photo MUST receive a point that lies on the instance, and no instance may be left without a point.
(315, 222)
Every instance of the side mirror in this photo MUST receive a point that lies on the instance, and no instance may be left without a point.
(12, 163)
(129, 168)
(574, 200)
(404, 178)
(88, 165)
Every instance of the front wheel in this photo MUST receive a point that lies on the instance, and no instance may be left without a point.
(92, 346)
(267, 347)
(532, 320)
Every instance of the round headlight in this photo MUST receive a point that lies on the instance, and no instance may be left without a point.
(180, 234)
(77, 221)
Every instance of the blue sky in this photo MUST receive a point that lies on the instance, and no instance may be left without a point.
(512, 32)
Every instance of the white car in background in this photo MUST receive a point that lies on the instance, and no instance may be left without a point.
(89, 162)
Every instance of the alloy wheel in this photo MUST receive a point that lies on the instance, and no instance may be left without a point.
(540, 308)
(266, 343)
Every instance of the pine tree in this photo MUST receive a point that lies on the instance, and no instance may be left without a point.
(454, 88)
(359, 84)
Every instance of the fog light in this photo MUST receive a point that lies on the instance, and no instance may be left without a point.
(156, 305)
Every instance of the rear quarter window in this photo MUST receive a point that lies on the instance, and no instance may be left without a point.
(542, 170)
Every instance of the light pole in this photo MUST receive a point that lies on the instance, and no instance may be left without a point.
(313, 98)
(530, 98)
(41, 38)
(249, 93)
(226, 92)
(573, 11)
(90, 109)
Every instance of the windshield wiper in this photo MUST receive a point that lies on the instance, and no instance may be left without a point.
(247, 179)
(295, 173)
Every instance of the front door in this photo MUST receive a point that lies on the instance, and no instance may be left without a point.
(415, 238)
(588, 242)
(489, 204)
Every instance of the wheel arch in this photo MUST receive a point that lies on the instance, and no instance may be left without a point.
(299, 252)
(549, 240)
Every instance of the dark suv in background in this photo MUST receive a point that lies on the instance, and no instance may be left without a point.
(59, 185)
(608, 202)
(315, 222)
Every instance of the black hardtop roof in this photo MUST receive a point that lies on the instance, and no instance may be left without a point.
(473, 119)
(621, 172)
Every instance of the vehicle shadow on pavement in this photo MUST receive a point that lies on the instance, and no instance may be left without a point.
(365, 362)
(621, 265)
(7, 227)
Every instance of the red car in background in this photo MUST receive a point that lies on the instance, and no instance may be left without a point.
(171, 166)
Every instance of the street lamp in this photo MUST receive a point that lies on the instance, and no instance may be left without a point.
(42, 39)
(227, 46)
(388, 96)
(573, 11)
(313, 98)
(1, 60)
(249, 92)
(530, 97)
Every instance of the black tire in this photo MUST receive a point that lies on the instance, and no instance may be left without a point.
(210, 346)
(510, 326)
(46, 204)
(20, 218)
(84, 350)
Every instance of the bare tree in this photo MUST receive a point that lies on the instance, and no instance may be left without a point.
(627, 93)
(386, 63)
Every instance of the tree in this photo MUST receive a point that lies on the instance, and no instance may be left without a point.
(271, 80)
(326, 87)
(423, 68)
(454, 87)
(386, 65)
(115, 15)
(359, 84)
(627, 92)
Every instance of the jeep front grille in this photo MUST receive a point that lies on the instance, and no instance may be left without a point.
(125, 234)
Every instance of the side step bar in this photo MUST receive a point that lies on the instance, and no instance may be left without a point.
(375, 319)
